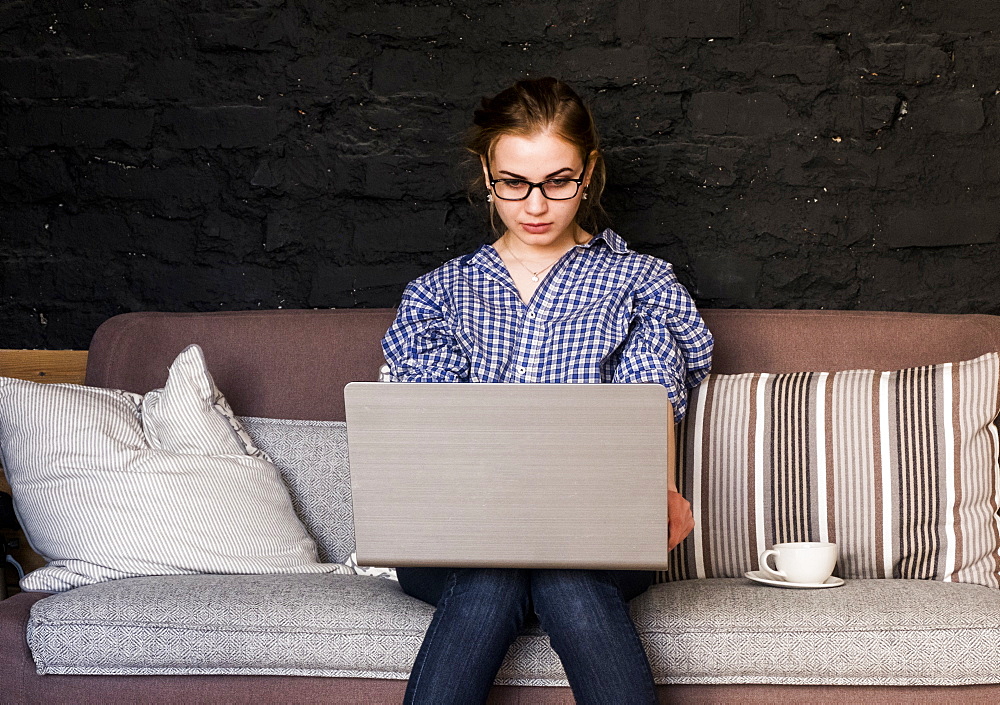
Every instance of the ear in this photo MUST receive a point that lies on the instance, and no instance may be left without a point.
(591, 163)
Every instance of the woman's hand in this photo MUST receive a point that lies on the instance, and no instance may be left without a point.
(681, 520)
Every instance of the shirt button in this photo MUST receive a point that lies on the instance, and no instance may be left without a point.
(522, 370)
(531, 314)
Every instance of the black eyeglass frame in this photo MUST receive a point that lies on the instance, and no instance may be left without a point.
(540, 185)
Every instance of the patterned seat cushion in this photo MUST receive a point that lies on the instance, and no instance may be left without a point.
(868, 632)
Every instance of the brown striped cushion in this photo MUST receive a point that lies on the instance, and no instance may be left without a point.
(898, 468)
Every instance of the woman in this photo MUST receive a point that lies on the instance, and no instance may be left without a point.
(548, 301)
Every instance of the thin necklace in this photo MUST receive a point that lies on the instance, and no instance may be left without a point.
(534, 275)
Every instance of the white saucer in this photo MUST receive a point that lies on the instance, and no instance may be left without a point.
(761, 577)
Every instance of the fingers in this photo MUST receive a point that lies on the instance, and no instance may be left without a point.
(681, 519)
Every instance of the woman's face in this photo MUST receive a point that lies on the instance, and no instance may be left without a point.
(538, 222)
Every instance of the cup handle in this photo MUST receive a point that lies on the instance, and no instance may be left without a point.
(774, 573)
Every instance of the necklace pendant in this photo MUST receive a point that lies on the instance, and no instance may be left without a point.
(534, 278)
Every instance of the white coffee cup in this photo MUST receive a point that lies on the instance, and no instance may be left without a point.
(800, 562)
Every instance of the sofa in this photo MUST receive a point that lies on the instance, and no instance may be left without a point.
(351, 638)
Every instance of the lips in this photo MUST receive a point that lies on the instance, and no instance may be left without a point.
(536, 228)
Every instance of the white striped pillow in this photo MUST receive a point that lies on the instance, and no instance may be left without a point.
(109, 484)
(898, 468)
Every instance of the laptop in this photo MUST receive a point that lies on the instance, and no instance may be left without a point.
(510, 475)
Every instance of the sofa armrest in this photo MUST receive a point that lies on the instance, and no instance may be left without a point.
(16, 665)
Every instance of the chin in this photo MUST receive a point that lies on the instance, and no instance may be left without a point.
(549, 237)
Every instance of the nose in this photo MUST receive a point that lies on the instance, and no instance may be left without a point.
(536, 203)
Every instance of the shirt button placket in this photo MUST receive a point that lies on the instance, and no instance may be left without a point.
(529, 370)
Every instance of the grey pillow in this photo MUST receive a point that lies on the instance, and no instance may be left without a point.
(108, 484)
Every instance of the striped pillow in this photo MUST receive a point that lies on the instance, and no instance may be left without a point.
(109, 484)
(898, 468)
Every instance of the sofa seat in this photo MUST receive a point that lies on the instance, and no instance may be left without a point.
(868, 632)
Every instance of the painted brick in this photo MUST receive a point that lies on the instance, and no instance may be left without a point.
(941, 226)
(93, 231)
(399, 20)
(731, 113)
(164, 239)
(906, 63)
(327, 74)
(600, 66)
(260, 29)
(225, 235)
(820, 17)
(813, 218)
(227, 127)
(211, 286)
(83, 77)
(79, 127)
(727, 276)
(701, 164)
(723, 124)
(23, 231)
(399, 177)
(522, 23)
(976, 168)
(638, 111)
(978, 62)
(9, 173)
(807, 64)
(400, 71)
(28, 280)
(639, 20)
(854, 115)
(434, 127)
(824, 164)
(170, 192)
(43, 175)
(959, 113)
(311, 228)
(361, 285)
(819, 281)
(930, 277)
(400, 230)
(956, 15)
(168, 78)
(308, 174)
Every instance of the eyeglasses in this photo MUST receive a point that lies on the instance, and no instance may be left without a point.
(552, 189)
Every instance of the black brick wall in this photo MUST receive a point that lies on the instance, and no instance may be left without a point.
(303, 153)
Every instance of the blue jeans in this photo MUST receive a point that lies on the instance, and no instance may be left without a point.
(480, 611)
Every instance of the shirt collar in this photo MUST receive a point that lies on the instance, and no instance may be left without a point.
(610, 238)
(486, 254)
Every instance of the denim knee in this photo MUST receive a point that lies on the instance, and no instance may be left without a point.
(576, 599)
(486, 593)
(589, 626)
(478, 615)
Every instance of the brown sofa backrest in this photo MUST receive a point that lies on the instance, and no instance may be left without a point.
(294, 363)
(287, 364)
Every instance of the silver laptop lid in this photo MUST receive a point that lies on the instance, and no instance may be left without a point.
(510, 475)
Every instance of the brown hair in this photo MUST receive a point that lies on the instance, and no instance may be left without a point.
(536, 105)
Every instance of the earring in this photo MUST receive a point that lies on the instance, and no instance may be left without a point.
(585, 195)
(489, 197)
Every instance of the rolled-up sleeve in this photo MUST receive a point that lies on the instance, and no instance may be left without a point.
(419, 346)
(668, 342)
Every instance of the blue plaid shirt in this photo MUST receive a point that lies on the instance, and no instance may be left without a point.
(602, 314)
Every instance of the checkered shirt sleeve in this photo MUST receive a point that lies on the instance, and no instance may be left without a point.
(669, 343)
(419, 346)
